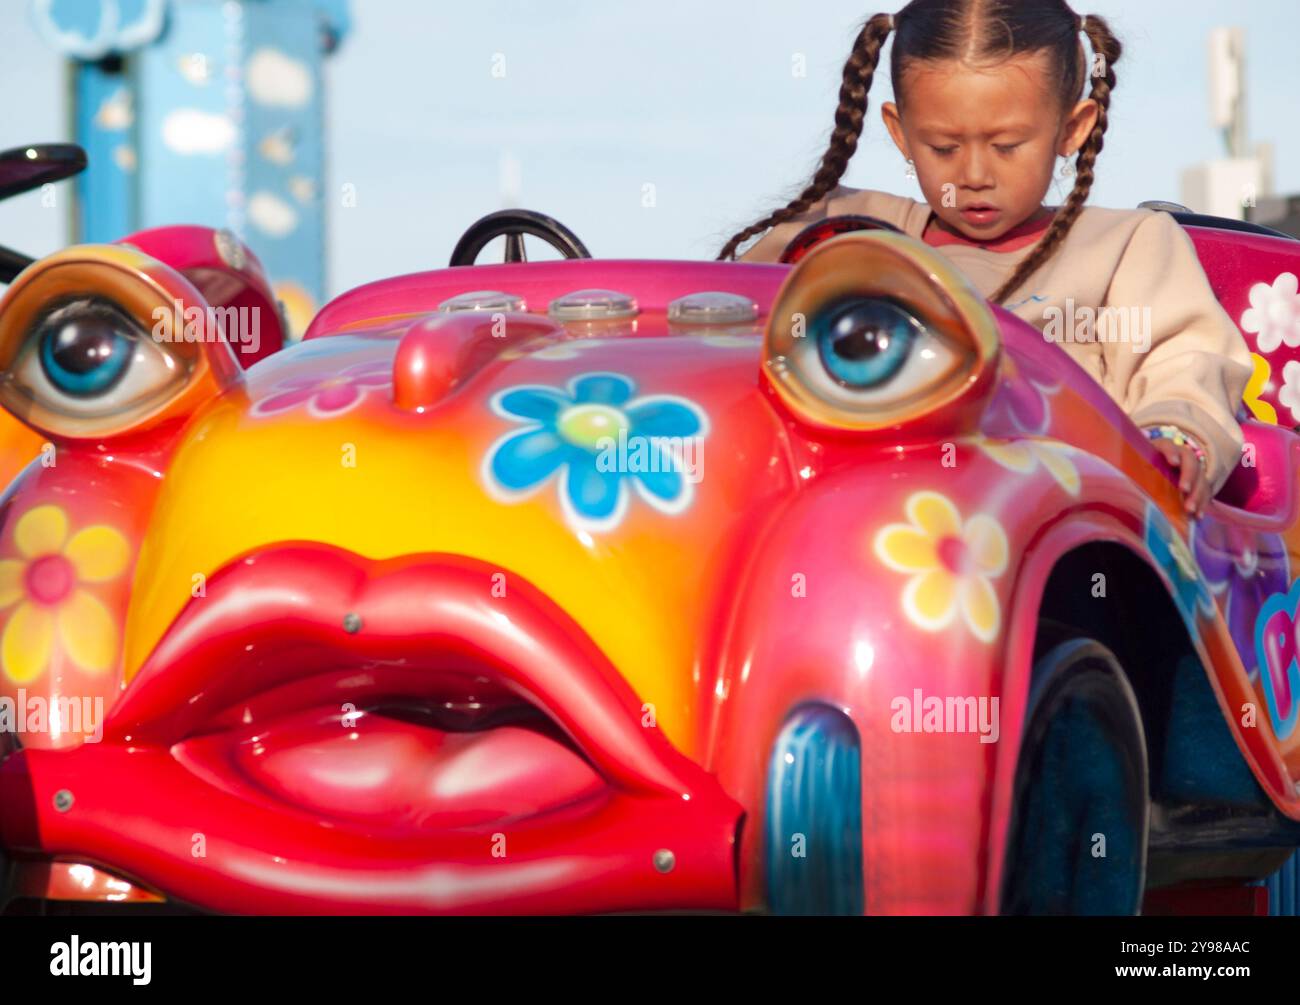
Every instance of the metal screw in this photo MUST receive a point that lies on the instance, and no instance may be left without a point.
(352, 623)
(665, 860)
(63, 800)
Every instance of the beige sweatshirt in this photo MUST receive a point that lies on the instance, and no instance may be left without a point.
(1180, 360)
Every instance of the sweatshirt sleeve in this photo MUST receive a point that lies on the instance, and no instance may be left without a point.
(1194, 370)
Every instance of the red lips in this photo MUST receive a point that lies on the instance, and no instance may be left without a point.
(422, 625)
(359, 736)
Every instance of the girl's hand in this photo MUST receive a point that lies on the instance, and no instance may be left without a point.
(1193, 478)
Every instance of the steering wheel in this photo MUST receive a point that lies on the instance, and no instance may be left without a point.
(824, 230)
(25, 168)
(514, 224)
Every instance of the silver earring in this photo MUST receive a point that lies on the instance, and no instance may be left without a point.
(1067, 169)
(911, 169)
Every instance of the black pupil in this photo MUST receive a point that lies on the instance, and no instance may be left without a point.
(857, 337)
(83, 345)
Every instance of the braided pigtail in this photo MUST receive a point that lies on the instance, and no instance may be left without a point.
(850, 117)
(1106, 49)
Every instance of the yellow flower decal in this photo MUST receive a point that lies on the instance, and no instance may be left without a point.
(1024, 456)
(1261, 410)
(1182, 556)
(951, 563)
(47, 584)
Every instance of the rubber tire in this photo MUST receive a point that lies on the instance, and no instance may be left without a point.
(1081, 772)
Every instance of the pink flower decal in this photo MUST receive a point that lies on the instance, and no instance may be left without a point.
(327, 396)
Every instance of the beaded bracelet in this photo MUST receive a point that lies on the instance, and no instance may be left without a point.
(1178, 438)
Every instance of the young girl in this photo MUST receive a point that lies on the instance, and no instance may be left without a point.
(988, 95)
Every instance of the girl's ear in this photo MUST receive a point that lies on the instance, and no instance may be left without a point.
(1077, 127)
(894, 123)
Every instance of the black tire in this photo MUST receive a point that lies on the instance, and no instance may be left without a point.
(1081, 779)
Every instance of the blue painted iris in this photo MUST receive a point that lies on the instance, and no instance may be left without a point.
(864, 342)
(601, 441)
(83, 355)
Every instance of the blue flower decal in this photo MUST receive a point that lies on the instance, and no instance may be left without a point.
(91, 29)
(1174, 558)
(602, 442)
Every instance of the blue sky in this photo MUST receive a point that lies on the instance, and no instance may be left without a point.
(601, 99)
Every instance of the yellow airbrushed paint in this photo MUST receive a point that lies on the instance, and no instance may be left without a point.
(239, 483)
(18, 446)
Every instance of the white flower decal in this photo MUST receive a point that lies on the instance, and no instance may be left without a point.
(1290, 393)
(1274, 313)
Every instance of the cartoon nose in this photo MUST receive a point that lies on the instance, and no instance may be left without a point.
(439, 353)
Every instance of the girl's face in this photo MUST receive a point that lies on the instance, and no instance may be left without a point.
(985, 140)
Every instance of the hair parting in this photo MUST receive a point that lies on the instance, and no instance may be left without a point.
(1106, 49)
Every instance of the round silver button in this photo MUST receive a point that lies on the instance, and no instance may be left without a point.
(712, 308)
(593, 305)
(484, 300)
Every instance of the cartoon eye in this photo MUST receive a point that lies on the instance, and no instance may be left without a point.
(872, 330)
(873, 356)
(87, 358)
(872, 349)
(85, 353)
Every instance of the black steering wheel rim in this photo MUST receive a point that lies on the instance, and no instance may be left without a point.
(514, 224)
(824, 230)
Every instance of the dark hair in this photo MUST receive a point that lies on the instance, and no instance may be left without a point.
(984, 30)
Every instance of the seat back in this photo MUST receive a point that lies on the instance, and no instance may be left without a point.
(1264, 484)
(1256, 280)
